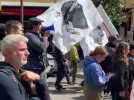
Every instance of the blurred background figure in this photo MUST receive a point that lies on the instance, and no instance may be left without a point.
(74, 58)
(14, 27)
(131, 64)
(2, 31)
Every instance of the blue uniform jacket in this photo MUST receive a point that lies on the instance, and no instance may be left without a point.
(37, 49)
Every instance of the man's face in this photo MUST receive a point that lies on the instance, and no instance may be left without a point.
(19, 29)
(20, 53)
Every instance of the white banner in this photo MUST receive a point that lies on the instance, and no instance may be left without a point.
(97, 37)
(73, 20)
(109, 27)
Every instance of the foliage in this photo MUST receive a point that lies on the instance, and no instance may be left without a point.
(114, 9)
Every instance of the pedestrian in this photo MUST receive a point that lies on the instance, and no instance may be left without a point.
(119, 83)
(74, 58)
(36, 46)
(13, 79)
(14, 27)
(59, 58)
(95, 77)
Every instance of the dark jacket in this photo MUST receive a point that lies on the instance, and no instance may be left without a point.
(37, 49)
(119, 81)
(131, 71)
(12, 87)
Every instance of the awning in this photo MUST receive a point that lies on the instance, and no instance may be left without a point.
(28, 11)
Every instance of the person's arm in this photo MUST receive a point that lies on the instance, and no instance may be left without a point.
(28, 78)
(99, 76)
(37, 84)
(123, 76)
(35, 43)
(42, 89)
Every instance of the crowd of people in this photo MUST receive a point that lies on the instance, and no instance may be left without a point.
(106, 69)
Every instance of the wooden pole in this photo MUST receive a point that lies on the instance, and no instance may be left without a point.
(22, 11)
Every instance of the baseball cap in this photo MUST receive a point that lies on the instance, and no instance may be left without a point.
(35, 20)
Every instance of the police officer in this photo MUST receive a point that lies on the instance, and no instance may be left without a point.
(37, 48)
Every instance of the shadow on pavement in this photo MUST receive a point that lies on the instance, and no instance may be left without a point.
(69, 89)
(78, 98)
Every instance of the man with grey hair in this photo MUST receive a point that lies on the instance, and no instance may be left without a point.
(14, 49)
(14, 80)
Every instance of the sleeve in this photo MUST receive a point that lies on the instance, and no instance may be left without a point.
(9, 89)
(123, 74)
(42, 89)
(35, 43)
(99, 77)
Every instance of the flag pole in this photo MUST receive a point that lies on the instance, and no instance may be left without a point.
(22, 12)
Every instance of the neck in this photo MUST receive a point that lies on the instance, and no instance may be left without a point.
(36, 31)
(15, 66)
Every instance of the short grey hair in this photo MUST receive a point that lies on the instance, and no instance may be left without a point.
(9, 40)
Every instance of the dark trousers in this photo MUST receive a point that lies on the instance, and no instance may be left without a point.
(116, 96)
(74, 70)
(60, 72)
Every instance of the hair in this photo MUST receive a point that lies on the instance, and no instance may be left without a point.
(9, 40)
(112, 38)
(12, 24)
(131, 46)
(99, 50)
(120, 48)
(119, 52)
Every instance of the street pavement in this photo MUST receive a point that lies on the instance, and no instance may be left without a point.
(72, 92)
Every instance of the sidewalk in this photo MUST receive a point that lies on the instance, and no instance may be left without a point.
(72, 92)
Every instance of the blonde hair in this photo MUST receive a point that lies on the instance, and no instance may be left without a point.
(99, 50)
(120, 51)
(10, 40)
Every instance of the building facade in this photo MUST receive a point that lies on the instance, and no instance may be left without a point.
(130, 12)
(12, 9)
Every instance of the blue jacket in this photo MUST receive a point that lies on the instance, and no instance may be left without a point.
(93, 73)
(37, 49)
(12, 87)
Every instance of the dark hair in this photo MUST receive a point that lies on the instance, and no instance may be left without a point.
(112, 38)
(2, 31)
(131, 46)
(50, 38)
(35, 21)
